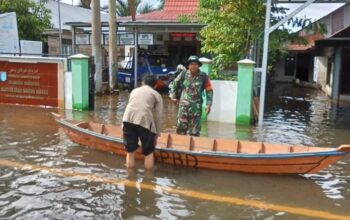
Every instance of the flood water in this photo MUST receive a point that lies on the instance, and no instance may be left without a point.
(45, 176)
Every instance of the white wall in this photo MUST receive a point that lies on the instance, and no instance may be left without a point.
(321, 63)
(224, 101)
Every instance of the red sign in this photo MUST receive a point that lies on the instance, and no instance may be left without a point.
(29, 83)
(178, 36)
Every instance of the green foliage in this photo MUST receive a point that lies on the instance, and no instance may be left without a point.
(233, 27)
(222, 75)
(161, 5)
(123, 8)
(186, 18)
(32, 18)
(85, 4)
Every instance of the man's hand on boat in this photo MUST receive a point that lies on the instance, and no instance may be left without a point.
(175, 101)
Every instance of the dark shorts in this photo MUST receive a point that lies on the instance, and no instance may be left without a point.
(132, 133)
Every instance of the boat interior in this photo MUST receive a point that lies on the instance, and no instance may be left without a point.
(205, 144)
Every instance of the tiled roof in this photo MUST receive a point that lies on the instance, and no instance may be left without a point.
(171, 11)
(181, 5)
(311, 43)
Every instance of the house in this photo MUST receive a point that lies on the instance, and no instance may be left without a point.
(66, 13)
(324, 59)
(159, 32)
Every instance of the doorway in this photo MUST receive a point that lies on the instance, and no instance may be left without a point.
(302, 70)
(180, 53)
(344, 84)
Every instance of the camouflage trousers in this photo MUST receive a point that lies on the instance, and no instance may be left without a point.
(189, 119)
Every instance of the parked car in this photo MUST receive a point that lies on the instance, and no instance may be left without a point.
(147, 63)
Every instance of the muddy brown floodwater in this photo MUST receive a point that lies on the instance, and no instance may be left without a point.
(45, 176)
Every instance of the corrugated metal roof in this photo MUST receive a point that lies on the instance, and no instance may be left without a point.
(70, 13)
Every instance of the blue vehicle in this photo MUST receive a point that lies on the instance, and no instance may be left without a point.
(147, 63)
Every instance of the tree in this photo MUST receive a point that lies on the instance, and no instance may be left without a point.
(32, 18)
(161, 5)
(123, 8)
(234, 26)
(85, 4)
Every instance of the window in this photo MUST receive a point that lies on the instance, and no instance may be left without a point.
(289, 66)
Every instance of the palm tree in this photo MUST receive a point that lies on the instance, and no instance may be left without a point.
(85, 4)
(123, 8)
(161, 5)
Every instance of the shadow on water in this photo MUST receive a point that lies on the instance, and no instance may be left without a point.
(30, 136)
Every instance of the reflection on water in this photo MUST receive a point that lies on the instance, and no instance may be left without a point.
(294, 116)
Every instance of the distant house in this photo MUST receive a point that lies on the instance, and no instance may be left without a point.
(172, 37)
(159, 32)
(68, 13)
(325, 59)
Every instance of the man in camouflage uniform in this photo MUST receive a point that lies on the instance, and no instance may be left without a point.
(187, 93)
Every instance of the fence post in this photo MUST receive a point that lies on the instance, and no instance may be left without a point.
(244, 92)
(80, 86)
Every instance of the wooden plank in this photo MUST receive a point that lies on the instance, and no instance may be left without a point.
(95, 127)
(180, 142)
(202, 144)
(114, 131)
(249, 147)
(275, 149)
(163, 141)
(226, 145)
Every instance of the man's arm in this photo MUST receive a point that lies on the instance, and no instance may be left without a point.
(209, 94)
(159, 114)
(173, 94)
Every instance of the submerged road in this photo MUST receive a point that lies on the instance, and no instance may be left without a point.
(189, 193)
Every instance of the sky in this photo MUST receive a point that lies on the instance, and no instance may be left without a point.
(314, 11)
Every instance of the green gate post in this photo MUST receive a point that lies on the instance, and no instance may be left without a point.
(206, 67)
(80, 81)
(244, 92)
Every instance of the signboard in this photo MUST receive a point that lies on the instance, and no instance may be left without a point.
(31, 47)
(126, 39)
(9, 41)
(29, 83)
(145, 39)
(82, 39)
(179, 36)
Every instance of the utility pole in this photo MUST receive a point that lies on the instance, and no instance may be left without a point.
(112, 38)
(59, 27)
(96, 45)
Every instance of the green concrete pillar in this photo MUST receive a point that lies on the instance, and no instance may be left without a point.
(206, 67)
(245, 92)
(80, 81)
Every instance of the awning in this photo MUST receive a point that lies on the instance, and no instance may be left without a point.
(333, 42)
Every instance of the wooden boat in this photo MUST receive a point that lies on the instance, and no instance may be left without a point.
(202, 152)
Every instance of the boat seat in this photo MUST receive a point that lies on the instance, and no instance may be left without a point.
(250, 147)
(275, 148)
(95, 127)
(111, 130)
(163, 141)
(226, 145)
(180, 142)
(299, 149)
(84, 125)
(202, 144)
